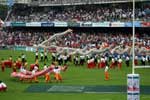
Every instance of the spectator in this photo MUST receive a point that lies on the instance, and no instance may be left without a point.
(84, 13)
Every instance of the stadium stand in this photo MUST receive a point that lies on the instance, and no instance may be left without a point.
(92, 13)
(75, 40)
(76, 13)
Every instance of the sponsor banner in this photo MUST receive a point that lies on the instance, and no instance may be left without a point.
(74, 24)
(18, 24)
(33, 24)
(86, 24)
(128, 24)
(7, 23)
(117, 24)
(133, 87)
(19, 48)
(133, 83)
(77, 24)
(60, 24)
(47, 24)
(136, 23)
(145, 24)
(101, 24)
(10, 3)
(30, 49)
(27, 48)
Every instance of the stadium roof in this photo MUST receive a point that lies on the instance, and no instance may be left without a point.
(77, 2)
(64, 2)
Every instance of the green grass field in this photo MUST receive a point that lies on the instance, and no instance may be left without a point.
(73, 76)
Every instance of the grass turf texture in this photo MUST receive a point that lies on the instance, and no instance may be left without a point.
(73, 76)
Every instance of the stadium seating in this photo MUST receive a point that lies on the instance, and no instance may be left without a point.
(75, 40)
(93, 13)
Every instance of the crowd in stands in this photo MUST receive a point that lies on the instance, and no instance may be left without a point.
(22, 38)
(73, 40)
(95, 40)
(93, 13)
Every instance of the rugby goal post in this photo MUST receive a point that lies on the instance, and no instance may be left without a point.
(133, 80)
